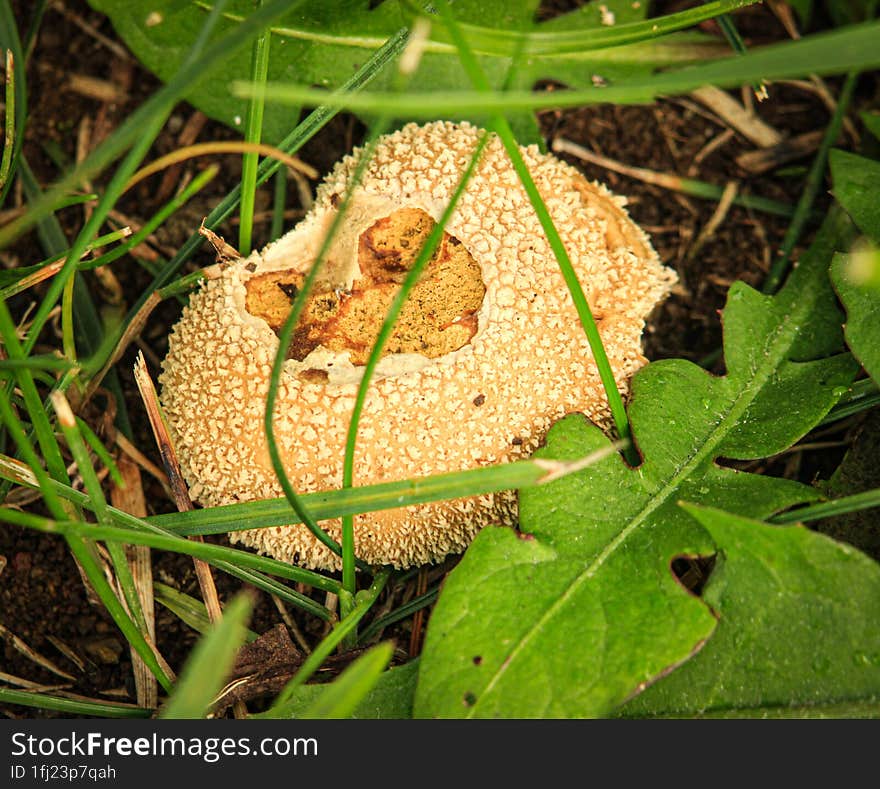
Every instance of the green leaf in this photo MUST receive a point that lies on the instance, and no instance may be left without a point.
(862, 303)
(858, 473)
(342, 696)
(798, 627)
(580, 611)
(324, 43)
(872, 122)
(210, 663)
(391, 698)
(856, 181)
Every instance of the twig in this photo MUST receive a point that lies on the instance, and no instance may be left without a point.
(20, 646)
(764, 159)
(675, 183)
(718, 216)
(737, 117)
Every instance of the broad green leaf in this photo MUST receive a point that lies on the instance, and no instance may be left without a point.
(856, 181)
(391, 698)
(210, 663)
(862, 302)
(324, 43)
(580, 611)
(799, 627)
(342, 696)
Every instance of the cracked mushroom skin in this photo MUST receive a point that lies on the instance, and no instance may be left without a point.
(487, 353)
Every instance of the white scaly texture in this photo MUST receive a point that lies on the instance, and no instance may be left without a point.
(489, 402)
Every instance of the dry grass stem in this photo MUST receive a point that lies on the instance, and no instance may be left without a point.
(763, 160)
(718, 216)
(143, 461)
(737, 116)
(31, 654)
(206, 148)
(178, 489)
(664, 180)
(188, 135)
(130, 498)
(132, 330)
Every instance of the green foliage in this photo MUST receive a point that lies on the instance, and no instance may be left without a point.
(342, 697)
(584, 610)
(390, 698)
(855, 187)
(210, 663)
(797, 627)
(862, 302)
(856, 276)
(872, 122)
(324, 43)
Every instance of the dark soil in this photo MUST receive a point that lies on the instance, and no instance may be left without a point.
(43, 601)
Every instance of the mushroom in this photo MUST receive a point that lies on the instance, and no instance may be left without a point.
(487, 353)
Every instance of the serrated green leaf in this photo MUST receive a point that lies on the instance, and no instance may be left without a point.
(581, 611)
(798, 628)
(862, 303)
(390, 698)
(324, 43)
(210, 663)
(856, 181)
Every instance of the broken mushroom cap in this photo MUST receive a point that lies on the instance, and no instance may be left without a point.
(487, 353)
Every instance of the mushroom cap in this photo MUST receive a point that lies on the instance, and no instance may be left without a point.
(484, 385)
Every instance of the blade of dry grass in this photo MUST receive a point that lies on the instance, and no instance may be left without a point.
(129, 497)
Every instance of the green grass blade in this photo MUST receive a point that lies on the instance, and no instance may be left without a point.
(210, 664)
(133, 127)
(100, 450)
(404, 611)
(384, 335)
(322, 651)
(207, 551)
(369, 498)
(72, 707)
(342, 696)
(505, 133)
(11, 41)
(9, 124)
(252, 133)
(838, 51)
(188, 609)
(75, 443)
(501, 43)
(33, 403)
(279, 202)
(827, 509)
(812, 185)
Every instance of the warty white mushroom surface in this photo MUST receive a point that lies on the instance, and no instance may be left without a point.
(478, 388)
